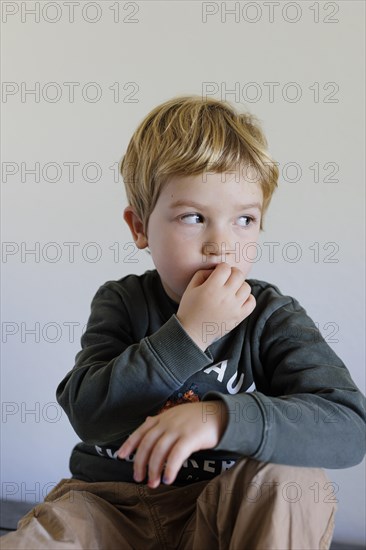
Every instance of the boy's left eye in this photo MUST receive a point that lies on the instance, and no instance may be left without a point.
(244, 221)
(192, 218)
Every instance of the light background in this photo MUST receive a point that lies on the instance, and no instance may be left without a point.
(166, 49)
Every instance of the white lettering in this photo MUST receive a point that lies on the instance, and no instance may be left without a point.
(220, 368)
(234, 389)
(209, 466)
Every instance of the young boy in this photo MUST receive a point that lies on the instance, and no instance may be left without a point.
(207, 403)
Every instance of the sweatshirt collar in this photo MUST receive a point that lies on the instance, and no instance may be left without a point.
(168, 305)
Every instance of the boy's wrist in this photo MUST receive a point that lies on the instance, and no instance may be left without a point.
(222, 418)
(194, 335)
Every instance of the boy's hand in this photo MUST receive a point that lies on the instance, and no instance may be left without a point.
(172, 436)
(215, 298)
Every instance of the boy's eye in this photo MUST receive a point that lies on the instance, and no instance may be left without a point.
(192, 218)
(244, 221)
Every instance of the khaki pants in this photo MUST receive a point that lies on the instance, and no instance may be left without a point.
(252, 506)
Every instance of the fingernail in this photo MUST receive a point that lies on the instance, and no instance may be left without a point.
(166, 480)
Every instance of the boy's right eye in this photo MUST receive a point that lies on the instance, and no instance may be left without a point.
(191, 218)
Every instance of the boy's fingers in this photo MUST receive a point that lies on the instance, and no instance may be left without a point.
(133, 439)
(249, 305)
(127, 447)
(177, 455)
(199, 278)
(221, 274)
(244, 291)
(130, 444)
(143, 453)
(236, 279)
(158, 458)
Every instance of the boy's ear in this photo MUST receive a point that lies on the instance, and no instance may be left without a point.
(136, 227)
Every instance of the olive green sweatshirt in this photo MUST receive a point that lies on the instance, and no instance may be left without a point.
(290, 398)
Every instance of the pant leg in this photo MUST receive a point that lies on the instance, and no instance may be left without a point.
(252, 506)
(107, 516)
(69, 518)
(264, 506)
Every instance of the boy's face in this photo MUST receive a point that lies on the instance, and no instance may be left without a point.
(200, 221)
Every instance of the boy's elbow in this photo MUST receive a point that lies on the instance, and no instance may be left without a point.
(353, 449)
(361, 446)
(91, 424)
(349, 460)
(80, 415)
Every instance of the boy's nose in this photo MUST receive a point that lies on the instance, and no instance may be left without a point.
(219, 247)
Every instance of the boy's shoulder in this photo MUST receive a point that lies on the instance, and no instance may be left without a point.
(270, 299)
(136, 292)
(131, 283)
(266, 289)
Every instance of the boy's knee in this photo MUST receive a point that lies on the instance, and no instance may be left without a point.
(248, 468)
(47, 522)
(295, 483)
(284, 473)
(257, 481)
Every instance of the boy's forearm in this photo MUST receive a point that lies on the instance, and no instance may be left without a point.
(301, 430)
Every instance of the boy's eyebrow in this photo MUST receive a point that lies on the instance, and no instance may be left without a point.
(175, 204)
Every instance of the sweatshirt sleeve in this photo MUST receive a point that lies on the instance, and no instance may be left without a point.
(310, 412)
(117, 382)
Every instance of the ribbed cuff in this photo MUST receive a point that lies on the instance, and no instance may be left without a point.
(245, 427)
(176, 349)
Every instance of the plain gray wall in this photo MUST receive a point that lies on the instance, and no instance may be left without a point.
(298, 66)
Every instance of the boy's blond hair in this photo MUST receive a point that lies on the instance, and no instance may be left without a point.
(190, 135)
